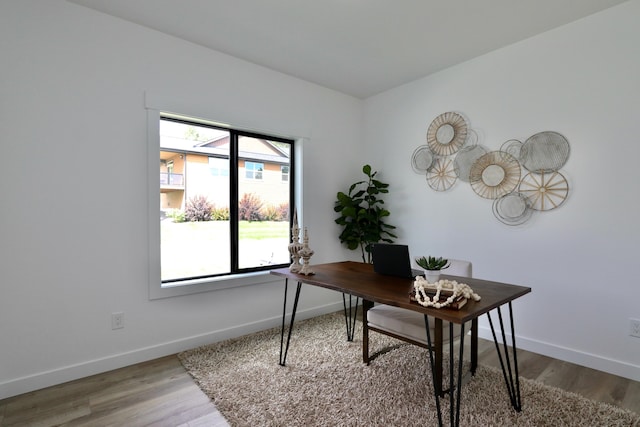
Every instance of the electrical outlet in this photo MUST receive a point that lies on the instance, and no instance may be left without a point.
(634, 327)
(117, 320)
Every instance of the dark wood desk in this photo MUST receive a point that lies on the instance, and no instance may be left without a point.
(359, 279)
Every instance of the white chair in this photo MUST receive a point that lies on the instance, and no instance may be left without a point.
(406, 325)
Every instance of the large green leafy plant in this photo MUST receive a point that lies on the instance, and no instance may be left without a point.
(363, 216)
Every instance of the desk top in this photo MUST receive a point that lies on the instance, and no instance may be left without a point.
(359, 279)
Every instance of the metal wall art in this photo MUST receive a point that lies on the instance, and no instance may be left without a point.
(447, 134)
(512, 209)
(465, 158)
(494, 175)
(441, 176)
(545, 190)
(452, 154)
(422, 159)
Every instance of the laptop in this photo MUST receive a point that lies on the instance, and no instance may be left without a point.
(393, 260)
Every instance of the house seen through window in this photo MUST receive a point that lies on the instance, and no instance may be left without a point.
(225, 200)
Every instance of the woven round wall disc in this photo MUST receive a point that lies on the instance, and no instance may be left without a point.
(441, 176)
(545, 191)
(494, 174)
(447, 133)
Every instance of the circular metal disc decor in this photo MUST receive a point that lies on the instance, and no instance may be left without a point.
(447, 134)
(494, 175)
(513, 147)
(465, 158)
(544, 152)
(520, 177)
(545, 191)
(472, 137)
(441, 176)
(422, 159)
(512, 209)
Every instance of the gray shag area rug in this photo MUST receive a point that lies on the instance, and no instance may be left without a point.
(325, 383)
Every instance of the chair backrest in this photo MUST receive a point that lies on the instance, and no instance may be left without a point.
(459, 268)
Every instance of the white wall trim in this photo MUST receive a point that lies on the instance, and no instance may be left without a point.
(611, 366)
(199, 106)
(64, 374)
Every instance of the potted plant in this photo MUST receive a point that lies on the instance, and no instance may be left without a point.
(432, 267)
(362, 214)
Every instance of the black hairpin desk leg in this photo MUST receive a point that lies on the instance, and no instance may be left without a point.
(350, 314)
(511, 376)
(283, 356)
(455, 384)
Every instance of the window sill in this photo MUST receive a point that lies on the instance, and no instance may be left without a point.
(168, 290)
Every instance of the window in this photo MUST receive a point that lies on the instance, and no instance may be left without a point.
(253, 170)
(284, 172)
(218, 167)
(225, 207)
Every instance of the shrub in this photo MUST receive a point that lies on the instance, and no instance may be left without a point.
(270, 213)
(249, 208)
(220, 214)
(283, 212)
(176, 215)
(198, 209)
(275, 212)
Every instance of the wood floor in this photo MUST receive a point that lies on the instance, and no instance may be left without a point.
(592, 384)
(155, 393)
(161, 393)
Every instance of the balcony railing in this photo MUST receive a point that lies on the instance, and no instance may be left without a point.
(171, 178)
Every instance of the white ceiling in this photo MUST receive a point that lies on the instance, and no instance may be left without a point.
(358, 47)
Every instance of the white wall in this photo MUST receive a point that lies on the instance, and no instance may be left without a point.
(73, 216)
(582, 80)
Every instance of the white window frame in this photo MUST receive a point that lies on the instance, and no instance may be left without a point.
(157, 289)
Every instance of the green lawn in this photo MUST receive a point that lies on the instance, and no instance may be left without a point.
(264, 230)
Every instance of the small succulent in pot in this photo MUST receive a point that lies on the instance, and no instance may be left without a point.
(432, 263)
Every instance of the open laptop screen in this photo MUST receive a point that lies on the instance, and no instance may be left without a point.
(392, 260)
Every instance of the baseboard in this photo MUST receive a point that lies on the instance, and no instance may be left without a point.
(594, 361)
(73, 372)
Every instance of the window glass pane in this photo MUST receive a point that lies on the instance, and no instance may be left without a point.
(194, 201)
(224, 200)
(218, 166)
(253, 170)
(263, 202)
